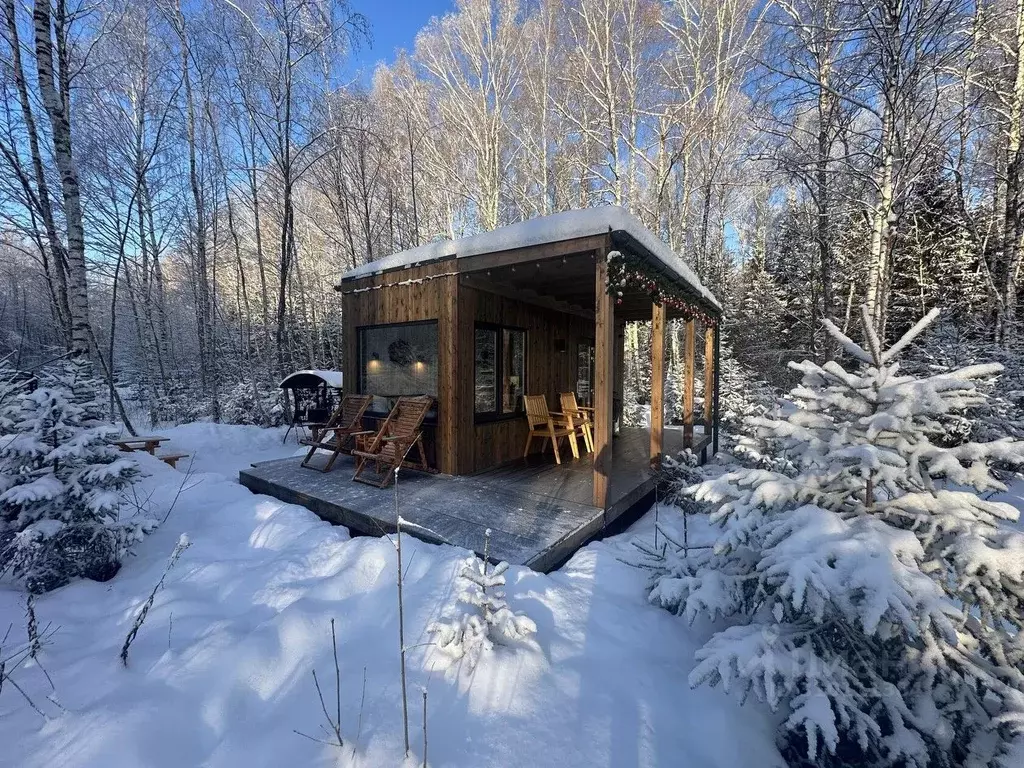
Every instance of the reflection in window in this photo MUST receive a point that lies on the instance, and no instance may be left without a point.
(397, 360)
(584, 373)
(499, 357)
(513, 370)
(486, 362)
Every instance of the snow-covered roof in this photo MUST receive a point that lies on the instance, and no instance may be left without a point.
(333, 379)
(567, 225)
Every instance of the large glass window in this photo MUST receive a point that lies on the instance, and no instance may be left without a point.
(499, 361)
(513, 369)
(584, 373)
(486, 362)
(397, 360)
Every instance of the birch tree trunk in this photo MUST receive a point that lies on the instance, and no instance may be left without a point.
(57, 104)
(878, 256)
(55, 266)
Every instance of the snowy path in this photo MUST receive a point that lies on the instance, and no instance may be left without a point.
(220, 674)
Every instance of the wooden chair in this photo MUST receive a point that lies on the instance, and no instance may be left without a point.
(387, 448)
(337, 431)
(547, 425)
(578, 418)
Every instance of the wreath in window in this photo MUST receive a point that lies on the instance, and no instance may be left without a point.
(400, 352)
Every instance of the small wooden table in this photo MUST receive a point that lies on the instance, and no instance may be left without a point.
(147, 443)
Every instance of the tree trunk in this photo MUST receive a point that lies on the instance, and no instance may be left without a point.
(57, 108)
(199, 224)
(878, 257)
(1012, 224)
(823, 222)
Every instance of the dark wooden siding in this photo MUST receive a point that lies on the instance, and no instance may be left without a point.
(485, 445)
(404, 296)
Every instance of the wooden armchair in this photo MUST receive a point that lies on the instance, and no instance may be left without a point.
(547, 425)
(334, 434)
(578, 418)
(387, 448)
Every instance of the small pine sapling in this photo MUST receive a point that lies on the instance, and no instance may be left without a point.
(470, 631)
(875, 592)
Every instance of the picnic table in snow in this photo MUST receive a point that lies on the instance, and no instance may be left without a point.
(149, 444)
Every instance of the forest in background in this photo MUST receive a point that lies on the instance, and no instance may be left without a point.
(182, 183)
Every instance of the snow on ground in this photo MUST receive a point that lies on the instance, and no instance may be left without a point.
(221, 672)
(225, 448)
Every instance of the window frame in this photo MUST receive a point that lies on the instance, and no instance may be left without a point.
(360, 376)
(484, 417)
(591, 349)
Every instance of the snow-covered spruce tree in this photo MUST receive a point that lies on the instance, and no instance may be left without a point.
(744, 398)
(252, 402)
(76, 378)
(60, 492)
(873, 592)
(481, 616)
(955, 342)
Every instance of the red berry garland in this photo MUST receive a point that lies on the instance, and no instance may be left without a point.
(626, 271)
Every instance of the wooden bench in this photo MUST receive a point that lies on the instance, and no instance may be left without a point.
(147, 443)
(171, 459)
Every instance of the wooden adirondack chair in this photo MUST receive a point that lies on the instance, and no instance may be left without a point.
(548, 425)
(337, 431)
(387, 448)
(578, 418)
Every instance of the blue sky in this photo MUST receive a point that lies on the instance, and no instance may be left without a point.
(394, 24)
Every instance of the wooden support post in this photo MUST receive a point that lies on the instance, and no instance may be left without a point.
(618, 375)
(604, 373)
(657, 383)
(709, 379)
(715, 414)
(688, 365)
(450, 419)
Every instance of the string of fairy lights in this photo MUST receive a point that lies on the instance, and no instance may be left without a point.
(626, 271)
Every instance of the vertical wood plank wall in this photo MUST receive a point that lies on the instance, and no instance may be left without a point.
(407, 296)
(548, 372)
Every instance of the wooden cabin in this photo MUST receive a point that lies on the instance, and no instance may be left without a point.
(533, 308)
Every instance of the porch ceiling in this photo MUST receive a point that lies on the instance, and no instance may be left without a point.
(565, 283)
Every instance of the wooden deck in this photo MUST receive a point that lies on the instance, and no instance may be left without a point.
(539, 513)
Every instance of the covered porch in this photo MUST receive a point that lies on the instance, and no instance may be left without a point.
(604, 281)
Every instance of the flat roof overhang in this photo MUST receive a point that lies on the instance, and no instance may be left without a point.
(558, 275)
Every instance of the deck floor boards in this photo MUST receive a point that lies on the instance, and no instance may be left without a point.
(538, 512)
